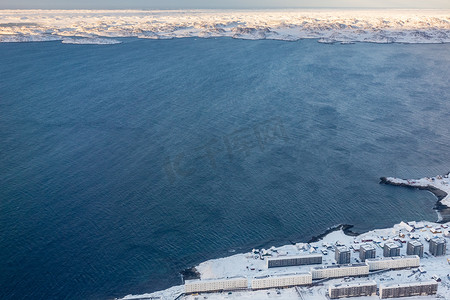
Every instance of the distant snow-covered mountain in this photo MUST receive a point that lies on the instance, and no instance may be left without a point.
(376, 26)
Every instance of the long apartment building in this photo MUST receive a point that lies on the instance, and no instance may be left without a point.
(294, 260)
(335, 271)
(354, 289)
(396, 262)
(215, 285)
(408, 289)
(281, 281)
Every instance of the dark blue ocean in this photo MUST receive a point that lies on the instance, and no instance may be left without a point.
(121, 165)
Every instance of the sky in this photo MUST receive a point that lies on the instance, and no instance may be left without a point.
(192, 4)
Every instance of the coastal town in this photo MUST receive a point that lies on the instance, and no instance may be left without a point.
(411, 260)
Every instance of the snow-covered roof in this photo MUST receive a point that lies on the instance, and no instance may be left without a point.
(340, 266)
(407, 284)
(342, 248)
(392, 258)
(367, 247)
(406, 226)
(392, 245)
(352, 284)
(282, 275)
(415, 243)
(438, 240)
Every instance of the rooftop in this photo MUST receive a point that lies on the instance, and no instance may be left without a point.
(352, 284)
(408, 284)
(392, 258)
(367, 247)
(438, 240)
(342, 248)
(282, 275)
(340, 266)
(415, 243)
(392, 245)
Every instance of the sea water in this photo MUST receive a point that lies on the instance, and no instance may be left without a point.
(123, 164)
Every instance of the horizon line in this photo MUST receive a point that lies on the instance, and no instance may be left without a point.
(239, 8)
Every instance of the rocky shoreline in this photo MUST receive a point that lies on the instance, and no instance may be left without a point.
(190, 273)
(442, 210)
(346, 228)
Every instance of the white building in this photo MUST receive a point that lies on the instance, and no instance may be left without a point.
(212, 285)
(397, 262)
(416, 225)
(281, 281)
(340, 271)
(408, 228)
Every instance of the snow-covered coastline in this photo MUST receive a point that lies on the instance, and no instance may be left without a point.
(328, 26)
(251, 265)
(439, 185)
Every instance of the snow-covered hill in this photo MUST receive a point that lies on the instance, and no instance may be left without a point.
(377, 26)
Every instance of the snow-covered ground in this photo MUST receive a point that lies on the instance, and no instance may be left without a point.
(347, 26)
(251, 265)
(440, 182)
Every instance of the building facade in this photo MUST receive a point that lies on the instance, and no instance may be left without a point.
(438, 246)
(391, 249)
(281, 281)
(294, 260)
(214, 285)
(408, 289)
(357, 289)
(398, 262)
(340, 271)
(414, 247)
(366, 251)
